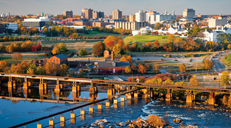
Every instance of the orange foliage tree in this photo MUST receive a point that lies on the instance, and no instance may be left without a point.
(141, 69)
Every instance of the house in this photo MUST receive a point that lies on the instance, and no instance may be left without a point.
(58, 59)
(212, 35)
(112, 67)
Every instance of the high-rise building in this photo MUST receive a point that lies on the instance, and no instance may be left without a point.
(188, 13)
(37, 23)
(87, 13)
(157, 17)
(132, 18)
(97, 14)
(140, 16)
(117, 14)
(130, 25)
(68, 13)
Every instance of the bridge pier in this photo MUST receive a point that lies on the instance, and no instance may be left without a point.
(168, 96)
(211, 100)
(110, 93)
(76, 88)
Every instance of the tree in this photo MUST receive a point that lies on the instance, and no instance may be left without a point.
(98, 49)
(117, 50)
(10, 48)
(30, 71)
(109, 45)
(128, 70)
(40, 70)
(194, 82)
(208, 64)
(39, 47)
(141, 69)
(16, 56)
(81, 73)
(26, 46)
(62, 47)
(55, 50)
(82, 52)
(155, 68)
(111, 38)
(75, 36)
(24, 65)
(3, 65)
(182, 67)
(157, 44)
(168, 81)
(48, 68)
(229, 46)
(64, 69)
(225, 78)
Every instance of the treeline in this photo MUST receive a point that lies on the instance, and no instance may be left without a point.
(110, 30)
(17, 47)
(33, 69)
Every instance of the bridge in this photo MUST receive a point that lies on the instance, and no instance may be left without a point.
(95, 82)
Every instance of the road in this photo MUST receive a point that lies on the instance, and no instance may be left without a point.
(216, 59)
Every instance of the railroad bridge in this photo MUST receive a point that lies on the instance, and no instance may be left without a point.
(146, 87)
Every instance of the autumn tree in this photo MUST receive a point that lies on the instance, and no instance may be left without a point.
(208, 64)
(194, 82)
(117, 50)
(128, 70)
(155, 68)
(24, 65)
(111, 38)
(126, 58)
(141, 69)
(16, 56)
(3, 65)
(10, 48)
(171, 38)
(225, 78)
(157, 44)
(98, 48)
(48, 68)
(64, 69)
(26, 46)
(109, 45)
(55, 50)
(229, 46)
(168, 82)
(75, 36)
(182, 67)
(16, 69)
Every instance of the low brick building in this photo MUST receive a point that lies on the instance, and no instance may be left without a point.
(112, 67)
(109, 56)
(58, 59)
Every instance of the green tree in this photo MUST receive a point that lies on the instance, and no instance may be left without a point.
(40, 70)
(82, 52)
(81, 74)
(225, 78)
(62, 47)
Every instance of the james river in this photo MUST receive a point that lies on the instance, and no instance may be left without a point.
(14, 112)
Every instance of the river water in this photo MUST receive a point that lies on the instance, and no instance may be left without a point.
(12, 113)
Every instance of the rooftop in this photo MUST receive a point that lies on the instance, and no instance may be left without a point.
(61, 56)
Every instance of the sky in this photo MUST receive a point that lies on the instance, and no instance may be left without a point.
(23, 7)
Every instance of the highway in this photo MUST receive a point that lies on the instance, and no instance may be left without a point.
(216, 59)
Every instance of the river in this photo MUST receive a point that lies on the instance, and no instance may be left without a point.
(12, 113)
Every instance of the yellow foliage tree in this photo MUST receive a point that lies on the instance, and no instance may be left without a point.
(128, 70)
(55, 50)
(182, 67)
(194, 82)
(3, 65)
(225, 78)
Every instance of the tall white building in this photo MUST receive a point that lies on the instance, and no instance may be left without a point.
(217, 22)
(157, 17)
(140, 16)
(188, 13)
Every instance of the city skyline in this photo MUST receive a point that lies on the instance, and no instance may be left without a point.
(128, 7)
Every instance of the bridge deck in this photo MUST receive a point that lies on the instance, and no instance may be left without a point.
(110, 82)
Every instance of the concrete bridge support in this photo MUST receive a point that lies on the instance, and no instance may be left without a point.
(168, 96)
(211, 100)
(76, 89)
(110, 93)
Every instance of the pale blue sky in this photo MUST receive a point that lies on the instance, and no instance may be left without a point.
(22, 7)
